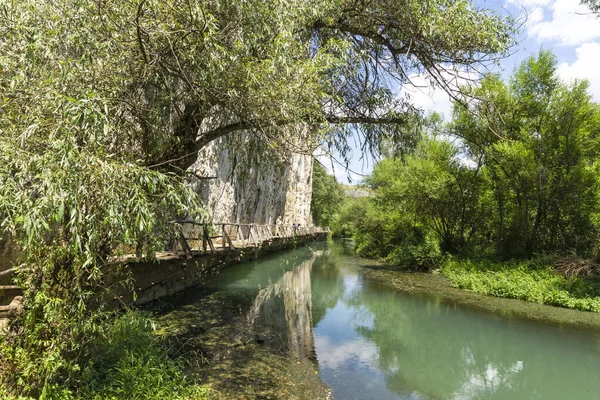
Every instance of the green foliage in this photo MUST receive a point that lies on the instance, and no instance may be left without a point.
(424, 203)
(593, 5)
(327, 196)
(67, 209)
(423, 253)
(132, 363)
(534, 280)
(104, 104)
(391, 236)
(432, 187)
(522, 180)
(538, 138)
(345, 221)
(161, 72)
(377, 232)
(129, 362)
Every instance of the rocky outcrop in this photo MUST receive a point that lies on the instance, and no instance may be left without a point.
(356, 192)
(242, 180)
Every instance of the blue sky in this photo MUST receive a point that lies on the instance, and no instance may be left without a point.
(563, 26)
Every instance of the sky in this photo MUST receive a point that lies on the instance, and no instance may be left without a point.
(563, 26)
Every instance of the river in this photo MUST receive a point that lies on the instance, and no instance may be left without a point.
(369, 342)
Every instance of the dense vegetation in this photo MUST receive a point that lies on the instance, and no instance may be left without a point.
(131, 363)
(532, 280)
(513, 176)
(327, 196)
(105, 104)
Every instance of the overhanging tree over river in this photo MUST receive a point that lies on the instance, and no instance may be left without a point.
(104, 104)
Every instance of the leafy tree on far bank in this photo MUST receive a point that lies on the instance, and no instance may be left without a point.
(538, 138)
(423, 204)
(515, 175)
(327, 196)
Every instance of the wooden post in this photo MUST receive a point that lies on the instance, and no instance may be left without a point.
(184, 244)
(240, 234)
(258, 231)
(223, 235)
(175, 245)
(207, 239)
(228, 238)
(253, 234)
(265, 233)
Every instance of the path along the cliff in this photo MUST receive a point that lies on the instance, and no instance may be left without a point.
(198, 249)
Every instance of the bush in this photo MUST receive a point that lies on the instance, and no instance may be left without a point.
(424, 254)
(345, 221)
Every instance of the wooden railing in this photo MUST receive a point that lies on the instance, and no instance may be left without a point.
(203, 237)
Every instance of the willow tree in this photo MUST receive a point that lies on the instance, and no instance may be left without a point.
(103, 105)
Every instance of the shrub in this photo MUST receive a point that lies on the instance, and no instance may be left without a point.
(423, 254)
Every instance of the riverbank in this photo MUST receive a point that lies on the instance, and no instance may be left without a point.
(143, 353)
(439, 286)
(537, 280)
(234, 360)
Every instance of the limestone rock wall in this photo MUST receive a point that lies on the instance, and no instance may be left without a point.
(242, 180)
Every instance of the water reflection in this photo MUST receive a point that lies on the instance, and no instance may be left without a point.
(377, 344)
(372, 343)
(286, 306)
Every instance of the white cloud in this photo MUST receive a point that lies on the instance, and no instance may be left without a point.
(488, 381)
(529, 4)
(534, 17)
(586, 66)
(346, 354)
(429, 98)
(570, 24)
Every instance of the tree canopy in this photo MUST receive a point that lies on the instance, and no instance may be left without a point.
(514, 174)
(327, 196)
(538, 138)
(103, 105)
(158, 80)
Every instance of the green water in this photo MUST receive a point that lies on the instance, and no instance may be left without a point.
(372, 343)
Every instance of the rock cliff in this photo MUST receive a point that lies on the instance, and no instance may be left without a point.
(242, 180)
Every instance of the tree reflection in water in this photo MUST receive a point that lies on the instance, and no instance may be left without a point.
(375, 343)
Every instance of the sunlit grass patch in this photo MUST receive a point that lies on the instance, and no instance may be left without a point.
(531, 280)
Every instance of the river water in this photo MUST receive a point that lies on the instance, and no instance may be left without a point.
(369, 342)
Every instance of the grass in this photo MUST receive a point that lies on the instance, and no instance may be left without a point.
(531, 280)
(130, 363)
